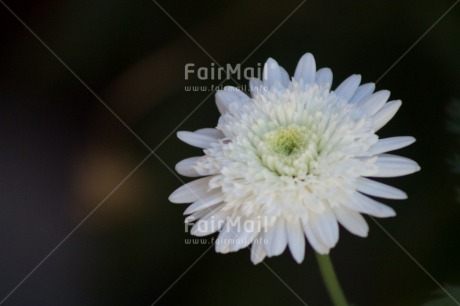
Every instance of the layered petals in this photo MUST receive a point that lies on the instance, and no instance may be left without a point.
(291, 162)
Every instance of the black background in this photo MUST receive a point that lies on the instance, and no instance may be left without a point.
(62, 151)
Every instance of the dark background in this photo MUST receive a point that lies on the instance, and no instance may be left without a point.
(62, 152)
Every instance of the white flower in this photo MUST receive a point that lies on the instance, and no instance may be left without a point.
(292, 161)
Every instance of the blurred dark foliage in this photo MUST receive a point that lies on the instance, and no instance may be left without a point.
(62, 152)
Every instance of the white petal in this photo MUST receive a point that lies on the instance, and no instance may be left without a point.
(212, 198)
(236, 92)
(391, 144)
(363, 92)
(380, 190)
(385, 114)
(248, 238)
(348, 87)
(257, 250)
(225, 239)
(185, 167)
(212, 132)
(191, 191)
(366, 205)
(318, 245)
(374, 102)
(210, 223)
(306, 69)
(274, 75)
(234, 236)
(325, 228)
(285, 80)
(256, 87)
(242, 239)
(197, 215)
(230, 95)
(352, 221)
(296, 239)
(277, 238)
(196, 139)
(392, 165)
(324, 76)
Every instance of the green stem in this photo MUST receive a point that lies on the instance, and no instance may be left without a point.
(330, 280)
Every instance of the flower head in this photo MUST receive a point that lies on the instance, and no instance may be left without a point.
(292, 161)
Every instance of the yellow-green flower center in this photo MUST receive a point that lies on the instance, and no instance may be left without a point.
(287, 141)
(288, 150)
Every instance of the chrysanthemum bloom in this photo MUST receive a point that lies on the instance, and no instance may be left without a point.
(291, 161)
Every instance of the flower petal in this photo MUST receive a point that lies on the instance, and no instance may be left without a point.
(352, 221)
(274, 75)
(318, 245)
(225, 239)
(325, 228)
(296, 239)
(285, 80)
(276, 238)
(377, 189)
(191, 191)
(374, 102)
(198, 214)
(391, 144)
(242, 239)
(197, 139)
(347, 88)
(212, 198)
(385, 114)
(257, 250)
(363, 92)
(306, 69)
(235, 236)
(391, 166)
(256, 87)
(185, 167)
(210, 223)
(363, 204)
(211, 132)
(324, 76)
(230, 95)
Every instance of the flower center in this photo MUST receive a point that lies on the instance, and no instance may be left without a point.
(288, 150)
(287, 141)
